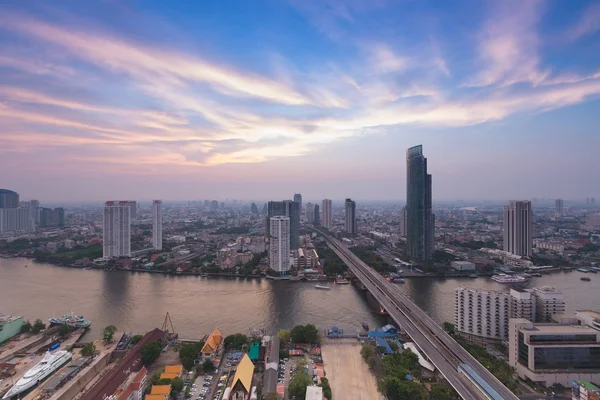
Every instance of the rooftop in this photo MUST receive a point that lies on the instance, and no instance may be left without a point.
(559, 328)
(588, 313)
(4, 318)
(587, 385)
(314, 393)
(244, 373)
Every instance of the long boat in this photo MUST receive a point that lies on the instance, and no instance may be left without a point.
(50, 363)
(322, 287)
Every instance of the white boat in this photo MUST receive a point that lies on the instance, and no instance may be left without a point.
(50, 363)
(322, 287)
(504, 278)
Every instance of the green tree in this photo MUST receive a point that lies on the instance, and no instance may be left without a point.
(367, 351)
(88, 350)
(108, 333)
(208, 366)
(396, 389)
(191, 352)
(448, 327)
(164, 381)
(187, 363)
(177, 384)
(150, 352)
(441, 392)
(305, 334)
(298, 383)
(64, 330)
(284, 335)
(135, 339)
(326, 388)
(236, 341)
(38, 326)
(284, 353)
(26, 327)
(155, 378)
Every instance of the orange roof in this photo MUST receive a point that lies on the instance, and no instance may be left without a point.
(174, 369)
(244, 373)
(213, 342)
(161, 389)
(157, 397)
(165, 375)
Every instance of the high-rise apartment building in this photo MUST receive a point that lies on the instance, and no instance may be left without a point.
(117, 229)
(558, 207)
(309, 212)
(279, 243)
(350, 219)
(9, 199)
(317, 218)
(420, 221)
(518, 228)
(133, 209)
(157, 222)
(403, 222)
(290, 209)
(548, 301)
(52, 218)
(326, 220)
(592, 221)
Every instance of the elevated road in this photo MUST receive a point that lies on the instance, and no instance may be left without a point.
(443, 351)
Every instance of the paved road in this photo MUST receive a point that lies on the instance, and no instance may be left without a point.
(442, 350)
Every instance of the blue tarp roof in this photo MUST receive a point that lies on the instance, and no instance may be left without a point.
(409, 377)
(388, 329)
(376, 334)
(335, 329)
(381, 342)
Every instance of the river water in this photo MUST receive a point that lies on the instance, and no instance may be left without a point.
(137, 301)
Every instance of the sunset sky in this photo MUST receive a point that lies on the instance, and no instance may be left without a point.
(260, 99)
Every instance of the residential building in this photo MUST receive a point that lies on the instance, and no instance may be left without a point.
(133, 388)
(309, 213)
(558, 207)
(17, 220)
(290, 209)
(463, 265)
(214, 205)
(52, 218)
(317, 219)
(584, 390)
(241, 385)
(518, 228)
(117, 229)
(326, 219)
(350, 216)
(403, 222)
(279, 243)
(420, 220)
(9, 326)
(157, 222)
(554, 353)
(314, 393)
(548, 301)
(9, 199)
(592, 221)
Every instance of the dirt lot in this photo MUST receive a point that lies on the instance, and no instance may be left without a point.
(348, 374)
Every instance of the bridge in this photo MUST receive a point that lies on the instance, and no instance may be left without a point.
(443, 351)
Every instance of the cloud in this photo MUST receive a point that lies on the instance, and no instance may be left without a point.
(385, 60)
(588, 23)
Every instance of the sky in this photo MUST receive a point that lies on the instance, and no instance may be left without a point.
(185, 100)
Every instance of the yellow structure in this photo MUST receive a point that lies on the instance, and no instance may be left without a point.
(242, 380)
(172, 371)
(213, 342)
(159, 392)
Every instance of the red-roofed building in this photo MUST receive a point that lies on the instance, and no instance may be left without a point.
(133, 388)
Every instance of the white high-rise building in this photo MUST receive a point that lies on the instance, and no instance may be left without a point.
(403, 222)
(548, 301)
(279, 243)
(326, 217)
(518, 228)
(310, 213)
(17, 220)
(117, 229)
(157, 224)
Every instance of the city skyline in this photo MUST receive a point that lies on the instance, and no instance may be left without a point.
(162, 100)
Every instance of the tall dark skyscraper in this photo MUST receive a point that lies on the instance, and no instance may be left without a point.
(350, 216)
(317, 220)
(8, 199)
(420, 220)
(287, 208)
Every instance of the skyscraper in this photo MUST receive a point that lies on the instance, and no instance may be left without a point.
(310, 213)
(298, 199)
(279, 243)
(117, 229)
(420, 220)
(317, 219)
(8, 199)
(290, 209)
(403, 222)
(518, 228)
(253, 208)
(350, 208)
(157, 224)
(558, 207)
(326, 220)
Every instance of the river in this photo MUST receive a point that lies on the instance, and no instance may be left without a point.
(137, 301)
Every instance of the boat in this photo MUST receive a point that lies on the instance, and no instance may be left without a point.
(365, 325)
(75, 321)
(322, 287)
(398, 279)
(50, 363)
(341, 280)
(124, 341)
(583, 270)
(473, 276)
(536, 274)
(205, 275)
(504, 278)
(585, 278)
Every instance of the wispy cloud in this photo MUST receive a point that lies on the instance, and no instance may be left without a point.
(588, 23)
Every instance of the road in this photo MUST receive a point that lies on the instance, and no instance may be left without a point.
(443, 351)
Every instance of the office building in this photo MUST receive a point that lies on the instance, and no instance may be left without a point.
(350, 216)
(558, 207)
(317, 217)
(326, 219)
(518, 228)
(133, 209)
(548, 301)
(403, 222)
(253, 208)
(279, 243)
(8, 199)
(481, 316)
(309, 213)
(157, 221)
(554, 353)
(214, 205)
(117, 229)
(298, 199)
(420, 220)
(290, 209)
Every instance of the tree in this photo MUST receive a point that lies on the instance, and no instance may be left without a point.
(367, 351)
(236, 341)
(298, 383)
(38, 326)
(441, 392)
(190, 351)
(284, 335)
(396, 389)
(305, 334)
(164, 381)
(187, 363)
(326, 388)
(150, 352)
(272, 396)
(208, 366)
(88, 350)
(109, 331)
(26, 327)
(155, 378)
(135, 339)
(64, 330)
(448, 327)
(177, 384)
